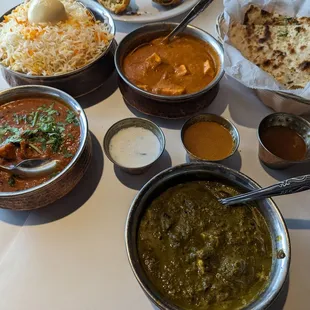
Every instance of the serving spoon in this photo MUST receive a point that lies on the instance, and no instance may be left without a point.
(195, 11)
(286, 187)
(32, 168)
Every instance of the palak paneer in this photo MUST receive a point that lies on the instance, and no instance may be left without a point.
(200, 254)
(184, 65)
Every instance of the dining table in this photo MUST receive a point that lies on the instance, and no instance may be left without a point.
(71, 254)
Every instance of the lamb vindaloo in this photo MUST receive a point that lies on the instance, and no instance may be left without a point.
(36, 128)
(200, 254)
(184, 65)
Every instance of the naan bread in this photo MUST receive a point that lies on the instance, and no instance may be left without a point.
(256, 16)
(277, 46)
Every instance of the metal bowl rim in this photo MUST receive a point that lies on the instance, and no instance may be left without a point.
(299, 118)
(216, 80)
(83, 135)
(236, 145)
(182, 169)
(107, 151)
(110, 22)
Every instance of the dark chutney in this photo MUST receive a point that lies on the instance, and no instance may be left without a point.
(200, 254)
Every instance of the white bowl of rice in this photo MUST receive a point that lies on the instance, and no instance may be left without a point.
(75, 55)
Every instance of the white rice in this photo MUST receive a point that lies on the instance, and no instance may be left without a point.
(47, 49)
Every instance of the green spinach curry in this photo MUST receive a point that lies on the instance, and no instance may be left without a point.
(200, 254)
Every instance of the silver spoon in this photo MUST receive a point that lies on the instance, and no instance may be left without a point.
(286, 187)
(31, 168)
(195, 11)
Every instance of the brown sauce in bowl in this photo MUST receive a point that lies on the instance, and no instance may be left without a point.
(185, 65)
(284, 142)
(36, 128)
(208, 140)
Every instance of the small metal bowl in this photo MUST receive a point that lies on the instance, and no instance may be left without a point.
(134, 122)
(202, 172)
(211, 118)
(296, 123)
(60, 185)
(159, 105)
(83, 80)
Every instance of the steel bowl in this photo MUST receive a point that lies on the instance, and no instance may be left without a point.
(159, 105)
(83, 80)
(296, 123)
(134, 122)
(209, 171)
(217, 119)
(58, 186)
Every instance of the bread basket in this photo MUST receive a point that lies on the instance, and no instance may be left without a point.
(276, 100)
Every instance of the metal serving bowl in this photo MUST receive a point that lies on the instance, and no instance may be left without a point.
(159, 105)
(217, 119)
(296, 123)
(208, 171)
(83, 80)
(61, 184)
(134, 122)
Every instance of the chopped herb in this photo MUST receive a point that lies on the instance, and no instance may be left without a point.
(35, 119)
(16, 118)
(71, 136)
(67, 154)
(283, 34)
(71, 118)
(11, 181)
(54, 174)
(35, 148)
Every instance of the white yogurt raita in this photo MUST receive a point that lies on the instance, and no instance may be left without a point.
(134, 147)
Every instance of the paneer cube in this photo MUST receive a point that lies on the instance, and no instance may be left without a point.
(170, 90)
(153, 61)
(181, 71)
(144, 87)
(207, 68)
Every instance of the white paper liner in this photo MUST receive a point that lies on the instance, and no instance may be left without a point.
(242, 69)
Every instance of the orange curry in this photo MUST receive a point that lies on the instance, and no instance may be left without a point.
(183, 66)
(36, 128)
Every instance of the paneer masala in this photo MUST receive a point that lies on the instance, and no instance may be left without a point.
(36, 128)
(182, 66)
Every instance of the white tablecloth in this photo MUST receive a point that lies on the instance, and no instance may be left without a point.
(71, 255)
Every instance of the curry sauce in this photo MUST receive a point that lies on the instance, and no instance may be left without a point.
(200, 254)
(36, 128)
(185, 65)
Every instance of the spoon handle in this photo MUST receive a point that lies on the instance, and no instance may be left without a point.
(286, 187)
(196, 10)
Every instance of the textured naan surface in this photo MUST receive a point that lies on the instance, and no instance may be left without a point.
(277, 44)
(255, 15)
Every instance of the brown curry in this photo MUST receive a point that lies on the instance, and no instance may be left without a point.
(36, 128)
(183, 66)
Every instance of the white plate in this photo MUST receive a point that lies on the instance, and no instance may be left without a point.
(144, 11)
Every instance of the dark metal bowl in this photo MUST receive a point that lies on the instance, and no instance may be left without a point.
(58, 186)
(208, 171)
(159, 105)
(294, 122)
(134, 122)
(207, 117)
(83, 80)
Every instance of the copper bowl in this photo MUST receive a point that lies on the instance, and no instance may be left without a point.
(81, 81)
(159, 105)
(294, 122)
(60, 185)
